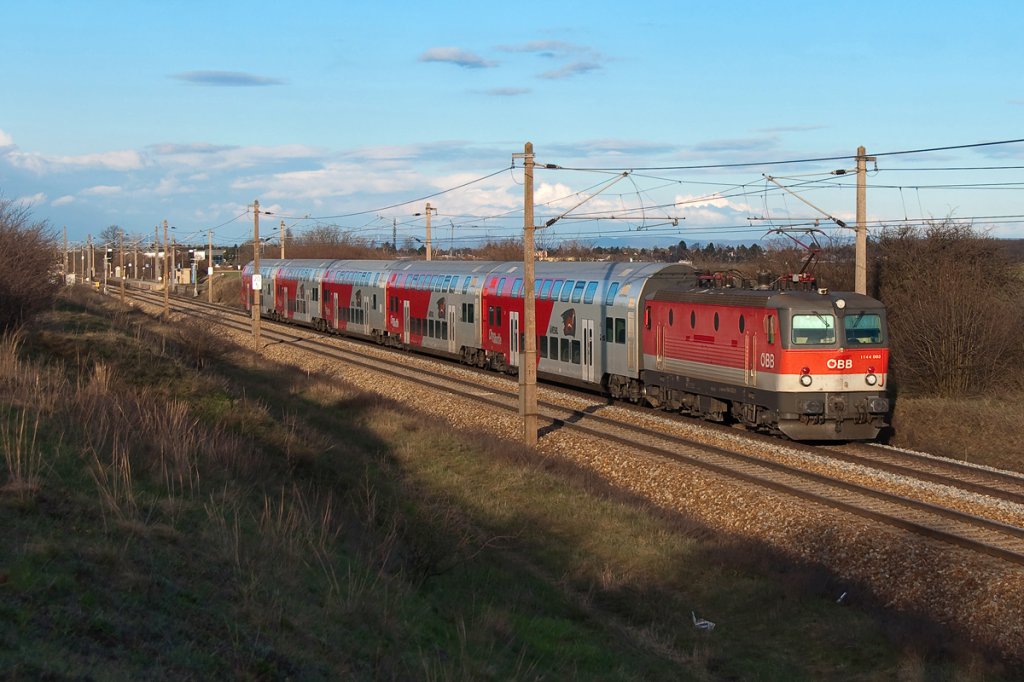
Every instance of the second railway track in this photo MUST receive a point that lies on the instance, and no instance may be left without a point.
(998, 535)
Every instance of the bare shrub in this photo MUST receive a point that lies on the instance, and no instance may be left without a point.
(198, 342)
(29, 280)
(956, 308)
(227, 289)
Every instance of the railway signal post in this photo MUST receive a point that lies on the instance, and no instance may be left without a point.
(167, 283)
(209, 266)
(257, 280)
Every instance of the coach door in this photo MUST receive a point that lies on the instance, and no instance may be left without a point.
(631, 339)
(588, 350)
(451, 329)
(366, 314)
(659, 341)
(334, 310)
(513, 339)
(405, 321)
(749, 359)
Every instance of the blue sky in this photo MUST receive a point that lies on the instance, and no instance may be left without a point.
(130, 113)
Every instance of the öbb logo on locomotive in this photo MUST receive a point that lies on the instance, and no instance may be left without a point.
(802, 362)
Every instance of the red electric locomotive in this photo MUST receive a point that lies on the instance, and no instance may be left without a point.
(804, 362)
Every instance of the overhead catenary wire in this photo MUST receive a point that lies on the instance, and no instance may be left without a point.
(815, 181)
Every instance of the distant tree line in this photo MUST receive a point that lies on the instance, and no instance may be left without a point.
(955, 296)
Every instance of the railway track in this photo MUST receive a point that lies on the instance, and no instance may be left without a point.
(806, 476)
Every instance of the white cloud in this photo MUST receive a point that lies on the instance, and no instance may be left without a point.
(31, 200)
(457, 56)
(332, 180)
(101, 191)
(209, 157)
(5, 139)
(692, 203)
(61, 201)
(41, 163)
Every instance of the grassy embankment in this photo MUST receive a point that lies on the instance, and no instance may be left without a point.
(258, 522)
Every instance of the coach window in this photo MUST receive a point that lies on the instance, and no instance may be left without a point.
(542, 346)
(497, 316)
(435, 283)
(455, 285)
(576, 352)
(567, 290)
(588, 297)
(609, 330)
(770, 326)
(501, 286)
(609, 297)
(490, 315)
(517, 287)
(444, 330)
(471, 313)
(620, 330)
(555, 288)
(564, 355)
(577, 292)
(446, 287)
(546, 290)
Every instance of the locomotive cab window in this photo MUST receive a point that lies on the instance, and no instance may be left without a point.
(814, 329)
(862, 329)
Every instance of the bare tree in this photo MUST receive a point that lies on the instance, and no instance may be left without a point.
(30, 276)
(955, 309)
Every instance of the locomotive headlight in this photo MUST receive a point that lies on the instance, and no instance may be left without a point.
(840, 303)
(806, 380)
(871, 379)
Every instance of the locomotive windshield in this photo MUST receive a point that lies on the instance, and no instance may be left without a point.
(863, 328)
(814, 329)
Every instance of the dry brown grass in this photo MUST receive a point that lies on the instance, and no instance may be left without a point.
(986, 431)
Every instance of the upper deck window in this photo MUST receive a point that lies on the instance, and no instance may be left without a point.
(811, 330)
(577, 291)
(567, 289)
(862, 329)
(609, 296)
